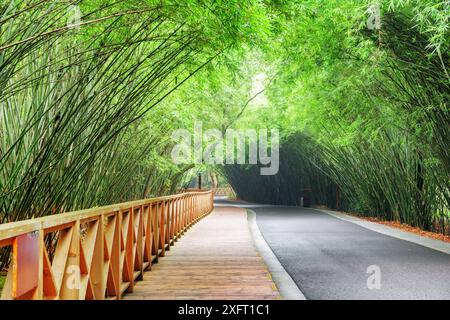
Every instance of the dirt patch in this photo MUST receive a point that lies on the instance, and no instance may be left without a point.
(408, 228)
(405, 227)
(398, 225)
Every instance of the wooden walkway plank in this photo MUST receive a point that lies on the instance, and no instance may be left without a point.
(216, 259)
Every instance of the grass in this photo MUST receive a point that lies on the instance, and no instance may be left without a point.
(2, 281)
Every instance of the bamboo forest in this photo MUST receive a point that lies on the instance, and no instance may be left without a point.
(95, 95)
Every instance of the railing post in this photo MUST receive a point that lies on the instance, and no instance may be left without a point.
(120, 254)
(139, 225)
(155, 227)
(168, 223)
(129, 249)
(148, 236)
(98, 261)
(176, 219)
(192, 209)
(66, 262)
(162, 229)
(173, 219)
(40, 289)
(184, 213)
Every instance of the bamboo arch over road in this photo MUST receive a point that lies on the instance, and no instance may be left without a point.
(97, 253)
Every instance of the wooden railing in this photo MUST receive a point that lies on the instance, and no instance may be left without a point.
(97, 253)
(223, 191)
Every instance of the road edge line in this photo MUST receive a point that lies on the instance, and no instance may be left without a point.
(285, 284)
(437, 245)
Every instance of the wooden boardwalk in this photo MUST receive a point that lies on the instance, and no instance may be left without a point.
(215, 259)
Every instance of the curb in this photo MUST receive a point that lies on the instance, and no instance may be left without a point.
(389, 231)
(286, 286)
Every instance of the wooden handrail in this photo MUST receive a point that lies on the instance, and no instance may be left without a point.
(97, 253)
(223, 191)
(220, 191)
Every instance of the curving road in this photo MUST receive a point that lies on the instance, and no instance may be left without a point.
(328, 258)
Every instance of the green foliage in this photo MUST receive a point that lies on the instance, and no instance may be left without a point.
(2, 281)
(87, 111)
(78, 127)
(300, 176)
(374, 100)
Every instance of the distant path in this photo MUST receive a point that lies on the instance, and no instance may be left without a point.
(215, 259)
(328, 258)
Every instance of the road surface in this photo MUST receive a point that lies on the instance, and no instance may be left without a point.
(329, 258)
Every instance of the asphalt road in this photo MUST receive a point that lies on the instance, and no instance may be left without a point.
(329, 258)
